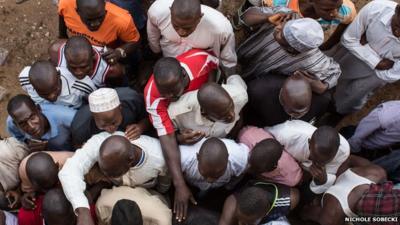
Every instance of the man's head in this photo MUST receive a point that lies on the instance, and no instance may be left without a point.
(91, 12)
(79, 55)
(299, 35)
(56, 209)
(170, 78)
(216, 104)
(327, 9)
(117, 155)
(42, 171)
(45, 79)
(198, 216)
(213, 159)
(324, 144)
(252, 206)
(27, 116)
(185, 16)
(265, 156)
(295, 96)
(395, 24)
(106, 109)
(126, 212)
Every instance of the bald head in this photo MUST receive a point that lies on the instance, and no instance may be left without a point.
(117, 155)
(296, 96)
(89, 4)
(213, 159)
(42, 171)
(186, 9)
(45, 80)
(324, 145)
(216, 103)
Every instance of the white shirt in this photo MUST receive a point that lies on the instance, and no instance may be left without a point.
(237, 162)
(375, 19)
(294, 135)
(100, 70)
(186, 112)
(214, 32)
(73, 172)
(72, 89)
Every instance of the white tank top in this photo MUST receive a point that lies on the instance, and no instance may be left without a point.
(344, 184)
(101, 67)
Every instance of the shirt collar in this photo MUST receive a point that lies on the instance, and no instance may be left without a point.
(141, 160)
(386, 20)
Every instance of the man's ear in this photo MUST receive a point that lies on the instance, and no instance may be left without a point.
(197, 156)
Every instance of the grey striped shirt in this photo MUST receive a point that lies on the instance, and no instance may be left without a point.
(260, 54)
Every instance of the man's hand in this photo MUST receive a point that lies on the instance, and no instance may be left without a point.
(317, 86)
(14, 199)
(112, 56)
(189, 136)
(84, 217)
(182, 197)
(28, 201)
(280, 18)
(37, 146)
(363, 40)
(385, 64)
(318, 173)
(133, 131)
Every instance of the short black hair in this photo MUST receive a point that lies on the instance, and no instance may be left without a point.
(56, 206)
(126, 212)
(165, 68)
(253, 201)
(16, 101)
(186, 9)
(42, 170)
(76, 45)
(265, 155)
(327, 140)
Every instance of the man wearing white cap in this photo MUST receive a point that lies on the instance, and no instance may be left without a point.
(289, 49)
(110, 110)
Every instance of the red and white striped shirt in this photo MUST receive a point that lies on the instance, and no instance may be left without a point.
(198, 64)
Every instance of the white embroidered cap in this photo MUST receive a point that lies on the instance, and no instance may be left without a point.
(103, 100)
(303, 34)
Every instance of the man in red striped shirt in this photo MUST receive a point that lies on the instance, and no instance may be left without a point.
(171, 79)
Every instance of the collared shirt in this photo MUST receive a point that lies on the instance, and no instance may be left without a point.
(262, 54)
(294, 135)
(11, 154)
(60, 119)
(379, 129)
(198, 65)
(73, 91)
(214, 32)
(346, 14)
(58, 157)
(152, 205)
(186, 112)
(237, 163)
(100, 66)
(287, 172)
(117, 25)
(74, 170)
(374, 19)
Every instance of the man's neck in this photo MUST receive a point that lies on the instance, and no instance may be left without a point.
(47, 126)
(138, 152)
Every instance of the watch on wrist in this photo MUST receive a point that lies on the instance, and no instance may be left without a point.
(122, 52)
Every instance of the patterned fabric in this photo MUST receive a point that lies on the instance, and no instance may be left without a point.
(380, 200)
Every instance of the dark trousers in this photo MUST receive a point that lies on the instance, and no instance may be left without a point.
(265, 109)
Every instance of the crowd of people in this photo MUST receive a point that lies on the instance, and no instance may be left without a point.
(222, 131)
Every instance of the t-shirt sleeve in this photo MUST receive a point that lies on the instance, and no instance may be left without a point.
(129, 32)
(61, 7)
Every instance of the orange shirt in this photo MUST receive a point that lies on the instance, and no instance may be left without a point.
(117, 26)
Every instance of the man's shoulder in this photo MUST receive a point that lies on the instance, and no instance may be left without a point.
(120, 17)
(66, 4)
(215, 21)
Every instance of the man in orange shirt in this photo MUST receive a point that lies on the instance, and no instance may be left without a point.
(102, 23)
